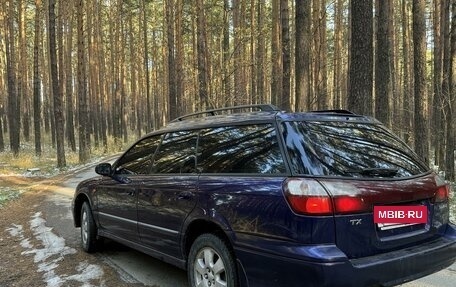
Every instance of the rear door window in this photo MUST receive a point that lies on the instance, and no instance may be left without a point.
(252, 149)
(348, 149)
(176, 154)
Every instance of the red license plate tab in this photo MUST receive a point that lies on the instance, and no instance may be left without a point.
(400, 214)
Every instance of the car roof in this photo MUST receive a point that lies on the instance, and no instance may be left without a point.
(210, 118)
(221, 120)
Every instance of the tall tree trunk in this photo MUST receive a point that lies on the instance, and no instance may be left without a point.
(451, 121)
(285, 101)
(37, 80)
(302, 54)
(337, 61)
(382, 66)
(437, 115)
(202, 61)
(22, 77)
(361, 57)
(180, 56)
(419, 60)
(446, 90)
(56, 92)
(115, 70)
(253, 82)
(13, 97)
(48, 91)
(444, 80)
(240, 91)
(158, 114)
(149, 116)
(2, 83)
(260, 54)
(43, 52)
(102, 101)
(172, 97)
(122, 78)
(323, 98)
(319, 59)
(95, 74)
(82, 92)
(93, 84)
(226, 50)
(69, 121)
(407, 92)
(134, 103)
(276, 50)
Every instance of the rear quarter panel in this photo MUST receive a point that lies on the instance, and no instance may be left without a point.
(255, 206)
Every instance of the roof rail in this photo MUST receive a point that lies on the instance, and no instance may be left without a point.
(344, 112)
(213, 112)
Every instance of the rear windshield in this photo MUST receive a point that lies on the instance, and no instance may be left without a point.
(348, 149)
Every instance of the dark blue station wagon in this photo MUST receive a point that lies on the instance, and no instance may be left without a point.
(262, 197)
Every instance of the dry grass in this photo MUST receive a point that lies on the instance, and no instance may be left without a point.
(47, 162)
(26, 160)
(28, 165)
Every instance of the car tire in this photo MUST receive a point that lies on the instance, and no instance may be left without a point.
(211, 263)
(89, 240)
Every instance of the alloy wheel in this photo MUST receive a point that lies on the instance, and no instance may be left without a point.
(209, 269)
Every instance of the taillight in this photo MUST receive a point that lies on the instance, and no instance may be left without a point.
(349, 204)
(308, 196)
(442, 194)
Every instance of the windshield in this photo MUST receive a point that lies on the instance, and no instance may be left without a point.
(348, 149)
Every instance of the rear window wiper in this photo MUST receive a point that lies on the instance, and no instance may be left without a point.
(381, 172)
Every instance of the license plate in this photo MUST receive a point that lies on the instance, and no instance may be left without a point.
(397, 214)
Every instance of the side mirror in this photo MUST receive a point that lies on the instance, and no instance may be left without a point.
(104, 169)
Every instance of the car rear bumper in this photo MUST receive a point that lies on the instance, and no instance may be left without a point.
(388, 269)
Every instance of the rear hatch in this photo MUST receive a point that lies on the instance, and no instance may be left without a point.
(358, 166)
(358, 235)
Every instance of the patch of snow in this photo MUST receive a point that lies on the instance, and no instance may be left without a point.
(25, 243)
(47, 267)
(16, 230)
(52, 252)
(52, 279)
(53, 244)
(87, 272)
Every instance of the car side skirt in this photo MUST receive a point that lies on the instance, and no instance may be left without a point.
(180, 263)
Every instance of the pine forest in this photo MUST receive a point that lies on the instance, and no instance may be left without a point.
(85, 75)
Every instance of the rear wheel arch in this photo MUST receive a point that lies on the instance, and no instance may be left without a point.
(202, 226)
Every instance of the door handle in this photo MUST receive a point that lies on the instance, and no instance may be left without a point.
(185, 195)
